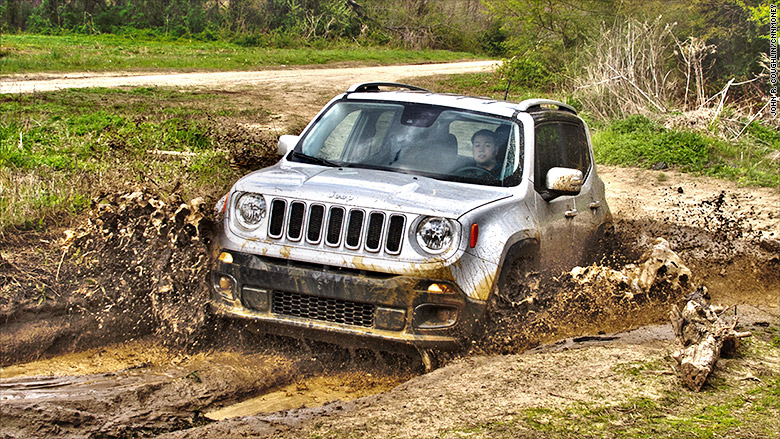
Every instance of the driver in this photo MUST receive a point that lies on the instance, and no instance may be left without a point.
(484, 149)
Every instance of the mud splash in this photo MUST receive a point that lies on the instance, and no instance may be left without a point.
(590, 300)
(136, 266)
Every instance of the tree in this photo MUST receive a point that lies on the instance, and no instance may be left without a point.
(730, 26)
(551, 29)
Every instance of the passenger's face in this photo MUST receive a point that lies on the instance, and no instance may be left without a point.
(484, 151)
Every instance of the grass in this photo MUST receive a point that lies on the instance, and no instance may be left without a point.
(741, 400)
(639, 141)
(727, 407)
(25, 53)
(59, 150)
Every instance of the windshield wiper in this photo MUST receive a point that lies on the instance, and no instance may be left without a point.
(315, 160)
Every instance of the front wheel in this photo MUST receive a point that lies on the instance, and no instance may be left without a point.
(518, 283)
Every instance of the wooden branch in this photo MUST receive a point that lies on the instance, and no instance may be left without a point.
(660, 108)
(723, 92)
(704, 336)
(755, 116)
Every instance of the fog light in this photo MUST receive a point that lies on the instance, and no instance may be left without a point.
(428, 316)
(226, 257)
(225, 283)
(225, 287)
(446, 315)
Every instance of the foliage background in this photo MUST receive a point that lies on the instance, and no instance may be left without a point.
(558, 34)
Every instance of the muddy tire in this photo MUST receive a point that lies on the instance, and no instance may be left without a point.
(517, 284)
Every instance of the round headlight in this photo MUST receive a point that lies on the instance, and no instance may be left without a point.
(250, 210)
(435, 235)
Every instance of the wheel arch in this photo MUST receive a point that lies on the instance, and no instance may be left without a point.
(526, 248)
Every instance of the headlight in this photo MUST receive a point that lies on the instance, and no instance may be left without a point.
(250, 210)
(435, 235)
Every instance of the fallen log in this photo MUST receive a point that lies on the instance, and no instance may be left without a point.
(705, 333)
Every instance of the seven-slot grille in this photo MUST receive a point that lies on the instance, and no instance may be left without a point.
(336, 226)
(323, 308)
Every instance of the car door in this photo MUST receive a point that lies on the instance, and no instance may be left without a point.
(558, 143)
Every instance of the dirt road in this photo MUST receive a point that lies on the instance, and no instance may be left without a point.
(282, 76)
(141, 388)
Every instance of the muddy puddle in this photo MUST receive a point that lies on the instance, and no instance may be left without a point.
(311, 392)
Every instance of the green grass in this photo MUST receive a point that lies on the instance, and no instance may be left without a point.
(25, 53)
(639, 141)
(727, 407)
(58, 150)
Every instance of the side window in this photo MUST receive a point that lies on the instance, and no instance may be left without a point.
(559, 144)
(575, 148)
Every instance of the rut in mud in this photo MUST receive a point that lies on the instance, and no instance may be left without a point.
(136, 272)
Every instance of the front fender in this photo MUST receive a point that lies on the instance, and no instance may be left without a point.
(502, 225)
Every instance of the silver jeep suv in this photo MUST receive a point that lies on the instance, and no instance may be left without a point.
(399, 213)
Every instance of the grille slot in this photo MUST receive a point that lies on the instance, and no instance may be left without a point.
(323, 309)
(316, 216)
(376, 222)
(295, 227)
(395, 233)
(296, 220)
(276, 224)
(335, 222)
(354, 228)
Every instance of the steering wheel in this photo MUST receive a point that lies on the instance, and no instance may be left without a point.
(474, 171)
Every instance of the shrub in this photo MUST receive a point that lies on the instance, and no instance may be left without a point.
(526, 72)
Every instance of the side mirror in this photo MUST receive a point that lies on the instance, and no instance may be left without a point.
(286, 144)
(564, 181)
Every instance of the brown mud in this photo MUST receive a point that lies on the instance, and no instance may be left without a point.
(104, 330)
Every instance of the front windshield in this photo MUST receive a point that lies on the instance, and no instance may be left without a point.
(437, 142)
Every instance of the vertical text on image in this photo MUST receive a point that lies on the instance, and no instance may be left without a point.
(773, 59)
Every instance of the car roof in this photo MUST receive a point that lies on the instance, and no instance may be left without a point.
(416, 95)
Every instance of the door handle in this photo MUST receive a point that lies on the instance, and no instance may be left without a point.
(595, 205)
(570, 213)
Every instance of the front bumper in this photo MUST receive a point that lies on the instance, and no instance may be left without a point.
(425, 313)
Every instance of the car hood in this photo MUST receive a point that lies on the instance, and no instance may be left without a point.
(368, 188)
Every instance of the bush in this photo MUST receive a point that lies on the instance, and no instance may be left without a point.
(493, 40)
(527, 72)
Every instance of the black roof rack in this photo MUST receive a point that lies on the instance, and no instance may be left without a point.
(374, 86)
(532, 105)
